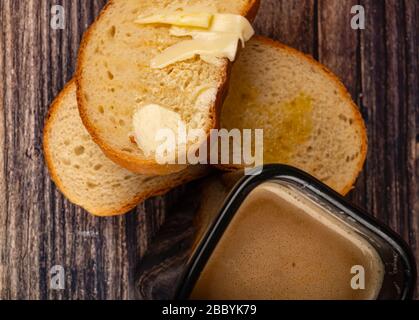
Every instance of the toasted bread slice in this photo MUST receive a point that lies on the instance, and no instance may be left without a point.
(308, 117)
(114, 77)
(86, 176)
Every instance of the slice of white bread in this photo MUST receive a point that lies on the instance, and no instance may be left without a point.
(86, 176)
(308, 117)
(114, 77)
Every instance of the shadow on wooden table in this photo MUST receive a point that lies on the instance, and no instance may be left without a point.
(159, 272)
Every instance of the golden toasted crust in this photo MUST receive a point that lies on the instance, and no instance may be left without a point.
(132, 163)
(345, 95)
(105, 211)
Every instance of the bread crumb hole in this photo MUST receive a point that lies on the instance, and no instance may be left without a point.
(77, 167)
(91, 185)
(187, 84)
(112, 31)
(343, 118)
(118, 185)
(97, 167)
(101, 110)
(121, 123)
(67, 143)
(79, 150)
(128, 150)
(110, 75)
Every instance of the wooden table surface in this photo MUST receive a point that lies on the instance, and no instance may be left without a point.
(40, 229)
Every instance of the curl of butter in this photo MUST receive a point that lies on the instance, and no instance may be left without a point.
(217, 46)
(229, 24)
(214, 36)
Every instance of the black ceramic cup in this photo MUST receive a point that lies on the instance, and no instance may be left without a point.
(217, 209)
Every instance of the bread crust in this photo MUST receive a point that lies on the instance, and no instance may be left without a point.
(104, 211)
(130, 162)
(343, 92)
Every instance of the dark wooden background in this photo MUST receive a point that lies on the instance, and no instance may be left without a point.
(40, 229)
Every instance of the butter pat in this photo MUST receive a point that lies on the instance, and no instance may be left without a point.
(200, 20)
(148, 122)
(214, 36)
(232, 23)
(217, 46)
(229, 24)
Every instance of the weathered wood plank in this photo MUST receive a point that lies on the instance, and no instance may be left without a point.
(3, 181)
(388, 60)
(290, 21)
(337, 41)
(411, 18)
(373, 86)
(383, 78)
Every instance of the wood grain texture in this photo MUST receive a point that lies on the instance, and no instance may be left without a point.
(40, 229)
(291, 22)
(390, 104)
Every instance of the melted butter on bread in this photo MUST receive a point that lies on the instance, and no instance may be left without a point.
(148, 123)
(214, 36)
